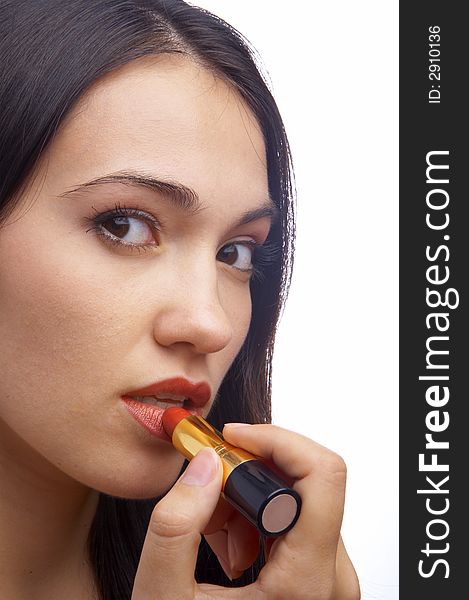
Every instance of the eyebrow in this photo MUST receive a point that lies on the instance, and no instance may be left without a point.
(178, 194)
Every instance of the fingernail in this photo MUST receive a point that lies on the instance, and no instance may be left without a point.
(202, 468)
(232, 554)
(229, 572)
(233, 425)
(225, 567)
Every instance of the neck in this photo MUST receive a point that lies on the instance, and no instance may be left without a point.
(45, 518)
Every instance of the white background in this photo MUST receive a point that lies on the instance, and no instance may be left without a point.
(334, 69)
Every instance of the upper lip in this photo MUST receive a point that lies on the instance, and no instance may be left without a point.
(198, 393)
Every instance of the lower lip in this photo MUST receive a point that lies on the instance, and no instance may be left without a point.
(150, 417)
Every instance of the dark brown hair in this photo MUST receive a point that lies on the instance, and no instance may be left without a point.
(51, 51)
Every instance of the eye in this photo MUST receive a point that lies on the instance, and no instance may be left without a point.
(129, 230)
(127, 227)
(238, 255)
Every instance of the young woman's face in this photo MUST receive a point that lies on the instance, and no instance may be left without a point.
(84, 320)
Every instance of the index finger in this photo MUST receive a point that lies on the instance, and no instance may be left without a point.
(281, 446)
(320, 477)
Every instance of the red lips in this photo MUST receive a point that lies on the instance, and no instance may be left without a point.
(197, 393)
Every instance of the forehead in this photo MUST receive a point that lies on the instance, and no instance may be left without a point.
(164, 115)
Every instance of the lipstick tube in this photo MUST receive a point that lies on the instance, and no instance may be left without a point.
(249, 484)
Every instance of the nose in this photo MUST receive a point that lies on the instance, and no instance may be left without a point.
(190, 312)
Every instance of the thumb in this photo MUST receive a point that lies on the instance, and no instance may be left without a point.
(169, 554)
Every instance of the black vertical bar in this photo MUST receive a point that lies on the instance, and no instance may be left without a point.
(434, 72)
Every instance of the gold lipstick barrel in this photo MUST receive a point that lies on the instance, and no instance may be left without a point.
(193, 433)
(249, 484)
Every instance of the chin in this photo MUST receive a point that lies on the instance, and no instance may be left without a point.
(138, 484)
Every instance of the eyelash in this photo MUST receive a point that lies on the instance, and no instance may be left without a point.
(263, 254)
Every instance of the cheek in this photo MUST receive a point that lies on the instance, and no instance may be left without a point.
(60, 324)
(63, 333)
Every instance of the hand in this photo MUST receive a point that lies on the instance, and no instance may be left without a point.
(307, 563)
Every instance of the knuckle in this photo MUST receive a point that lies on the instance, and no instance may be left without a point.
(334, 467)
(168, 524)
